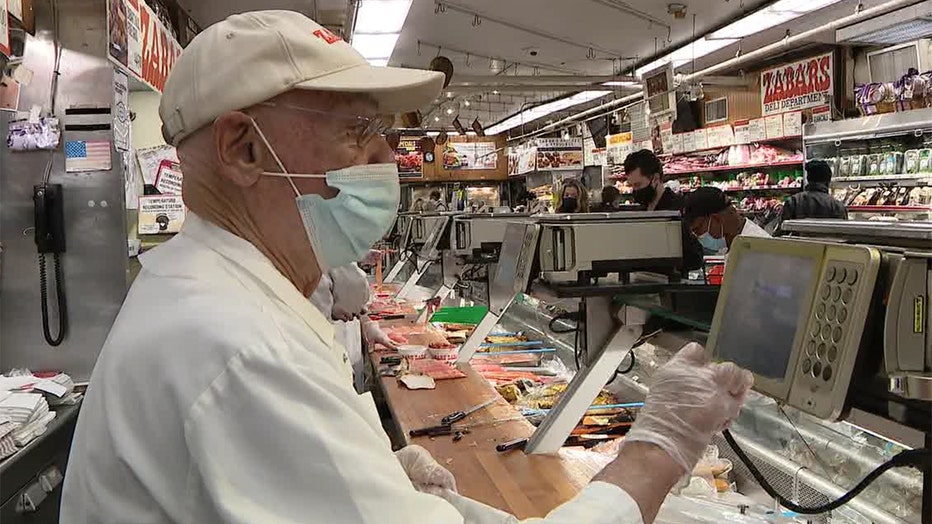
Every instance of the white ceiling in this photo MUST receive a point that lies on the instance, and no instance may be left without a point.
(572, 39)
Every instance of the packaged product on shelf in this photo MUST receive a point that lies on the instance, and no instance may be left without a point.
(892, 163)
(873, 164)
(925, 160)
(911, 161)
(844, 166)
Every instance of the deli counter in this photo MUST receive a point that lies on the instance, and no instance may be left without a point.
(603, 318)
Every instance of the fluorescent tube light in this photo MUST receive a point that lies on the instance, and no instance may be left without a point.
(375, 46)
(898, 34)
(377, 28)
(381, 16)
(625, 83)
(771, 16)
(543, 110)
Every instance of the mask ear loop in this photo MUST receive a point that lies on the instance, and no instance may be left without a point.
(278, 161)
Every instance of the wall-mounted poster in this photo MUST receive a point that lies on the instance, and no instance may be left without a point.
(558, 154)
(409, 157)
(470, 155)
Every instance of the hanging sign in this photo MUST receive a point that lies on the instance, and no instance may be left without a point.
(756, 130)
(797, 85)
(140, 43)
(4, 29)
(409, 157)
(742, 132)
(793, 123)
(557, 154)
(773, 126)
(822, 114)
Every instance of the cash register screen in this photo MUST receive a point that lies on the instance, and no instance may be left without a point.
(768, 291)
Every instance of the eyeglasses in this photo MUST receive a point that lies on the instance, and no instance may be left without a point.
(366, 128)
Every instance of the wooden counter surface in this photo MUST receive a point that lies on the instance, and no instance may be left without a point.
(523, 485)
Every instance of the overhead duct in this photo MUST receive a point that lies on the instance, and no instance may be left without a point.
(901, 26)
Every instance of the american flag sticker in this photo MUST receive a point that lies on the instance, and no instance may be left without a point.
(87, 155)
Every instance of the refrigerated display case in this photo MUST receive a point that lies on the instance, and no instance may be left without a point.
(882, 164)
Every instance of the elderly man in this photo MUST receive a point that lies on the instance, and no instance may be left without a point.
(220, 395)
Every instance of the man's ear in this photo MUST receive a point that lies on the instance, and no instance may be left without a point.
(240, 156)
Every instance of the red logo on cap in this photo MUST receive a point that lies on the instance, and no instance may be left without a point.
(326, 35)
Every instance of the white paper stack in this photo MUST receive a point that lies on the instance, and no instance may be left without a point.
(29, 414)
(7, 444)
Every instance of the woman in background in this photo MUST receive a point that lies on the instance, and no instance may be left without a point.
(573, 197)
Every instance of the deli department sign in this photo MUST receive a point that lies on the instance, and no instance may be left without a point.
(797, 85)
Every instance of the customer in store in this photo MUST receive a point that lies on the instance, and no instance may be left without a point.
(644, 173)
(220, 395)
(715, 221)
(815, 201)
(611, 199)
(434, 202)
(573, 197)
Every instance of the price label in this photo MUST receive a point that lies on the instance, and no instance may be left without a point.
(678, 146)
(701, 139)
(793, 123)
(689, 142)
(742, 133)
(773, 125)
(756, 131)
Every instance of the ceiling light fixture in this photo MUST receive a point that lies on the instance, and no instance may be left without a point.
(543, 110)
(775, 14)
(623, 83)
(377, 28)
(466, 103)
(449, 110)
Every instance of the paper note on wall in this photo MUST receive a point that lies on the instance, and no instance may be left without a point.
(169, 179)
(151, 158)
(160, 214)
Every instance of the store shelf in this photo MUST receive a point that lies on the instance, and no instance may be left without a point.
(751, 189)
(713, 169)
(890, 209)
(900, 180)
(869, 127)
(712, 150)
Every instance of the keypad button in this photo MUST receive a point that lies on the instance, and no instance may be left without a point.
(847, 296)
(820, 311)
(842, 315)
(807, 365)
(826, 332)
(841, 275)
(832, 311)
(816, 329)
(830, 274)
(827, 373)
(836, 293)
(810, 348)
(826, 292)
(832, 353)
(820, 352)
(816, 369)
(836, 335)
(852, 277)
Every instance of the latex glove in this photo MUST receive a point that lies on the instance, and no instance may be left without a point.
(375, 335)
(689, 401)
(424, 472)
(350, 292)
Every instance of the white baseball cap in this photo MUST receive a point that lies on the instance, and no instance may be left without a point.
(252, 57)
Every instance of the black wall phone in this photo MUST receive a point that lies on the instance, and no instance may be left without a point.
(50, 238)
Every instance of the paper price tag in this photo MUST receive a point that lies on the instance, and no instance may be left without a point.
(756, 130)
(773, 126)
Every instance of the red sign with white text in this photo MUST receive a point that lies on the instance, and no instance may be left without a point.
(159, 49)
(797, 85)
(140, 43)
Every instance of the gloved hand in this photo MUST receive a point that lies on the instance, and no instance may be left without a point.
(424, 472)
(375, 335)
(350, 292)
(689, 401)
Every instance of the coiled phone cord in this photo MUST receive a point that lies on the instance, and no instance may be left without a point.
(62, 306)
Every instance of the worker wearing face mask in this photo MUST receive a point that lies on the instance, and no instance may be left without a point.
(237, 405)
(342, 296)
(644, 173)
(715, 221)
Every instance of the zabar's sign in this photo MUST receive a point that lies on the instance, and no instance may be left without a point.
(139, 42)
(798, 85)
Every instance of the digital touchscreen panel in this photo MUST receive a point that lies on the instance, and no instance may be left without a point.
(767, 293)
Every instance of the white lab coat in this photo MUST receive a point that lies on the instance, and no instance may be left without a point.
(220, 396)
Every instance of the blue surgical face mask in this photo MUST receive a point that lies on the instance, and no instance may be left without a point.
(342, 229)
(712, 244)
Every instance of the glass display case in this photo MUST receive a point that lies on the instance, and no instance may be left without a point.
(882, 164)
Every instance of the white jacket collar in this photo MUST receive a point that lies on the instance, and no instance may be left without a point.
(240, 252)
